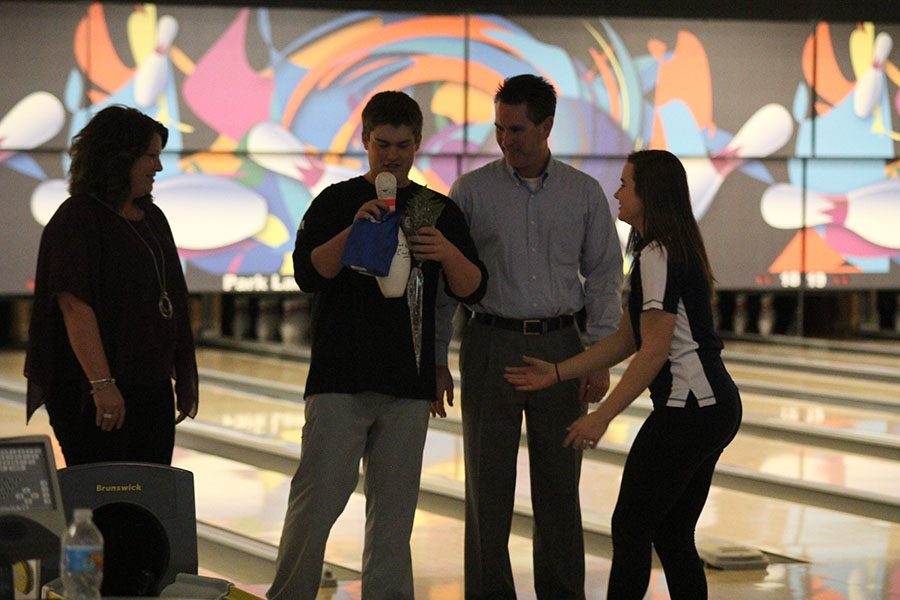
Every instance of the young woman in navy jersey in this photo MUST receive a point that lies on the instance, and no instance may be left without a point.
(668, 327)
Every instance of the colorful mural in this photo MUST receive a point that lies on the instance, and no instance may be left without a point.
(792, 154)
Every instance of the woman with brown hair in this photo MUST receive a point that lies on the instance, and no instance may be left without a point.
(110, 326)
(668, 327)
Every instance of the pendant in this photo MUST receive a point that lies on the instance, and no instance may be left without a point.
(165, 306)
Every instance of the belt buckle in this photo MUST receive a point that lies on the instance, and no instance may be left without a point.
(541, 327)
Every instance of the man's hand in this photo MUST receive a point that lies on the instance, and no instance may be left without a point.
(430, 244)
(373, 210)
(443, 387)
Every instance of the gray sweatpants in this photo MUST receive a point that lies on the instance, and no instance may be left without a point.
(388, 434)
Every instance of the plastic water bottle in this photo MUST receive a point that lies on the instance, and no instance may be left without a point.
(81, 558)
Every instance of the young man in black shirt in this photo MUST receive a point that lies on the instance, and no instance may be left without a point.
(366, 396)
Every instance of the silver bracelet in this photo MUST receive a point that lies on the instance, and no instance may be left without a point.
(101, 384)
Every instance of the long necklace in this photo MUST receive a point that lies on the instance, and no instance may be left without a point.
(164, 304)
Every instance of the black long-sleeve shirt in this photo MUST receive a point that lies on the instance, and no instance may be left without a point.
(362, 341)
(90, 252)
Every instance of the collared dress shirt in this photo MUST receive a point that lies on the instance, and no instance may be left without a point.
(550, 251)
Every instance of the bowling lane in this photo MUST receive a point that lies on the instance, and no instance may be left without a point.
(293, 372)
(781, 527)
(290, 374)
(795, 462)
(12, 364)
(252, 414)
(799, 412)
(778, 375)
(256, 499)
(883, 354)
(257, 511)
(281, 420)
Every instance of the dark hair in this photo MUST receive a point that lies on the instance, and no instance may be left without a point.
(392, 108)
(104, 151)
(661, 183)
(536, 92)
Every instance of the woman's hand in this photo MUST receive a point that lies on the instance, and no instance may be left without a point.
(537, 375)
(373, 210)
(110, 408)
(586, 431)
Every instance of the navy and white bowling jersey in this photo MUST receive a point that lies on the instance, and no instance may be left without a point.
(694, 374)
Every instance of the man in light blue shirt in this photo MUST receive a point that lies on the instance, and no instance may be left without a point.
(545, 233)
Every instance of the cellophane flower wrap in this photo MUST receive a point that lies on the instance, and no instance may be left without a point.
(422, 210)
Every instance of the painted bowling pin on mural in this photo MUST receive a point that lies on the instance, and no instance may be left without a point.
(871, 212)
(153, 72)
(868, 91)
(766, 131)
(205, 212)
(34, 119)
(273, 147)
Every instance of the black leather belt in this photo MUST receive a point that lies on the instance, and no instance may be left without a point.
(527, 326)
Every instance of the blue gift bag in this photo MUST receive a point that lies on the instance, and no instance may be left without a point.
(371, 245)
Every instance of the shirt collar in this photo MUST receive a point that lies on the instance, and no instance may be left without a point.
(551, 168)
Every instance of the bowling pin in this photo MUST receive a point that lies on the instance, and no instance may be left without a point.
(623, 230)
(765, 322)
(869, 319)
(393, 285)
(46, 198)
(867, 92)
(872, 212)
(294, 320)
(207, 212)
(188, 200)
(33, 120)
(153, 72)
(273, 147)
(739, 318)
(767, 130)
(716, 311)
(267, 319)
(897, 316)
(240, 322)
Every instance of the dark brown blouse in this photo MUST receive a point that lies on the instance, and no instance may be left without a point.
(90, 251)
